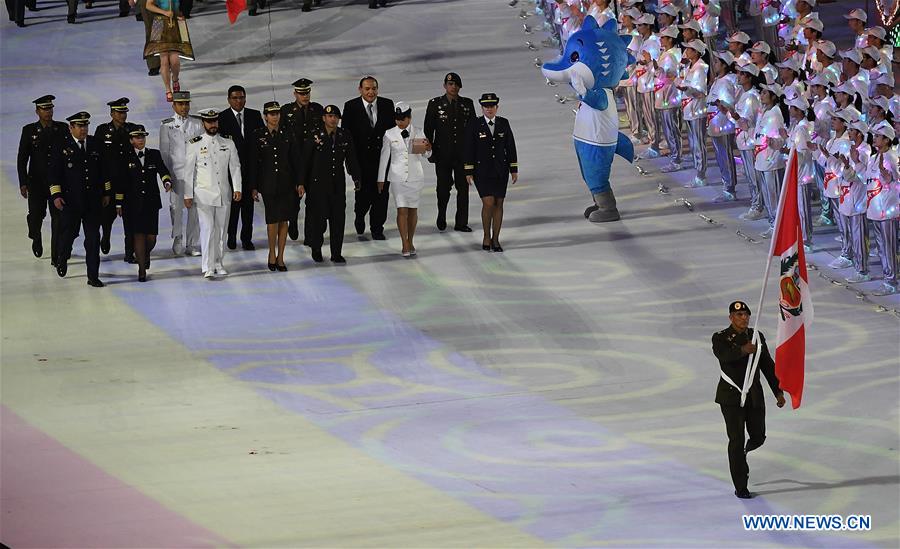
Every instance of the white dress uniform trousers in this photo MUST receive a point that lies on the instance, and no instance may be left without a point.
(174, 134)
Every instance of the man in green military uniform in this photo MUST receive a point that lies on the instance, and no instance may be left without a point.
(33, 160)
(733, 346)
(303, 117)
(114, 138)
(445, 123)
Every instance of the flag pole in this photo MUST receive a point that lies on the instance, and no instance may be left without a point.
(753, 360)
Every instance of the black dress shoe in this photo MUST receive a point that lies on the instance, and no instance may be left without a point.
(70, 19)
(281, 268)
(463, 228)
(37, 247)
(20, 24)
(441, 223)
(96, 283)
(339, 259)
(272, 267)
(486, 247)
(104, 245)
(360, 225)
(293, 230)
(130, 260)
(317, 255)
(232, 243)
(306, 8)
(142, 277)
(496, 248)
(61, 268)
(248, 246)
(744, 494)
(378, 236)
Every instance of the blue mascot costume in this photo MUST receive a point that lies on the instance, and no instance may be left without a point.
(594, 62)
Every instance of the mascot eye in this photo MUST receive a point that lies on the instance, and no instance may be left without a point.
(574, 57)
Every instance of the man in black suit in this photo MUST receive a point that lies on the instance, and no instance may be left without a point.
(80, 190)
(445, 124)
(237, 122)
(114, 139)
(732, 346)
(367, 118)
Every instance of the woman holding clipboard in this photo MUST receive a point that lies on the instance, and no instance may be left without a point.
(169, 40)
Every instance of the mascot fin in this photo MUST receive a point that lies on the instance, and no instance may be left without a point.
(624, 147)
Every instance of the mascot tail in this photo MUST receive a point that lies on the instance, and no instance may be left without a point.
(625, 148)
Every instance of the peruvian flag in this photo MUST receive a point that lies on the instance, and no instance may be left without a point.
(794, 300)
(235, 7)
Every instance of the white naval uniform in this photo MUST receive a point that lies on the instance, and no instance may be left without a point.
(210, 159)
(174, 134)
(404, 169)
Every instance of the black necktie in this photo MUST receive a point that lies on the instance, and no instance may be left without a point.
(81, 144)
(371, 108)
(491, 125)
(141, 154)
(405, 134)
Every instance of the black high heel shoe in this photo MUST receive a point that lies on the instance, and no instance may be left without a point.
(485, 247)
(281, 268)
(496, 247)
(272, 267)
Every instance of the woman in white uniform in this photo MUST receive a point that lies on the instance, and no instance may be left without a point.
(404, 170)
(744, 113)
(800, 137)
(767, 141)
(852, 202)
(722, 96)
(838, 145)
(883, 200)
(693, 87)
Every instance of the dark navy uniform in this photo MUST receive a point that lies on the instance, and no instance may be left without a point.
(445, 124)
(33, 160)
(490, 155)
(77, 176)
(303, 121)
(275, 171)
(733, 360)
(116, 145)
(138, 193)
(324, 180)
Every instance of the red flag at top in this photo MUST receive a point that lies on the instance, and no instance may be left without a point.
(235, 7)
(795, 303)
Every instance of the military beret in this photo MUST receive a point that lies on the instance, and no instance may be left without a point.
(489, 99)
(80, 118)
(453, 77)
(738, 306)
(120, 104)
(271, 106)
(402, 110)
(138, 131)
(209, 114)
(44, 101)
(333, 109)
(181, 97)
(303, 85)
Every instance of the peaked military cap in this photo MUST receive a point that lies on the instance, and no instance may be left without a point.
(44, 101)
(120, 104)
(453, 77)
(303, 85)
(138, 131)
(181, 96)
(332, 109)
(271, 106)
(402, 110)
(489, 99)
(209, 114)
(738, 307)
(81, 118)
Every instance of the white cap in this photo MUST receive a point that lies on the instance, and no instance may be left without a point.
(789, 63)
(671, 31)
(852, 54)
(859, 126)
(646, 19)
(774, 88)
(827, 47)
(725, 56)
(872, 52)
(740, 36)
(814, 23)
(634, 13)
(848, 114)
(845, 87)
(819, 80)
(883, 80)
(883, 128)
(877, 32)
(881, 101)
(692, 24)
(748, 67)
(401, 107)
(799, 102)
(668, 9)
(857, 14)
(761, 47)
(696, 45)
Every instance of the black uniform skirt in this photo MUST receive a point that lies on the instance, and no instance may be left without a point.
(491, 187)
(280, 206)
(141, 217)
